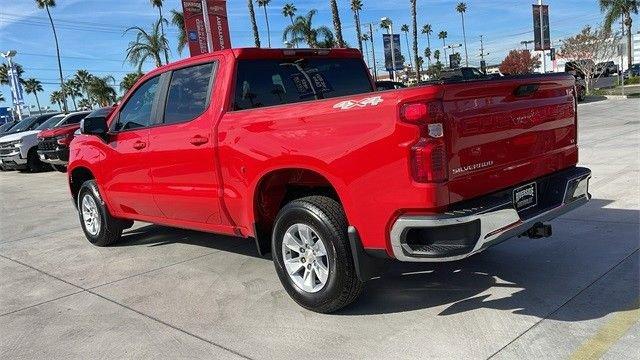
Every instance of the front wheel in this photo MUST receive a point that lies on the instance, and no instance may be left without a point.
(100, 228)
(312, 254)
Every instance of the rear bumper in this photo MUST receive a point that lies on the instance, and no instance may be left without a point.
(475, 225)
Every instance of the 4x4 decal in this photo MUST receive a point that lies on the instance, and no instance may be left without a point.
(350, 104)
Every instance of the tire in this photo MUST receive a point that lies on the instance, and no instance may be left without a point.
(109, 229)
(59, 168)
(324, 217)
(33, 161)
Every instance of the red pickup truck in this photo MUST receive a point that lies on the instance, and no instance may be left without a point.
(295, 150)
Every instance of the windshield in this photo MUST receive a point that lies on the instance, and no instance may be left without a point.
(24, 124)
(51, 122)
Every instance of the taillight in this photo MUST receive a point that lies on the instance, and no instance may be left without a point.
(429, 160)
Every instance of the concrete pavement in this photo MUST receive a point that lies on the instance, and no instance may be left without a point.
(167, 293)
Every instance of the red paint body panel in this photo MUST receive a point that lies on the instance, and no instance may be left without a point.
(363, 152)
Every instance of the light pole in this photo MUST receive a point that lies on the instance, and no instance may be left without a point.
(453, 50)
(393, 50)
(544, 58)
(526, 43)
(16, 96)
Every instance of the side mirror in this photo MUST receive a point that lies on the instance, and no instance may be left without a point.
(94, 126)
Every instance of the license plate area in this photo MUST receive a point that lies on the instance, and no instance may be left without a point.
(525, 197)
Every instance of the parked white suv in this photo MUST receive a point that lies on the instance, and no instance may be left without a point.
(19, 151)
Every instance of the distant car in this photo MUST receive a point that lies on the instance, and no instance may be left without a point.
(607, 68)
(577, 67)
(634, 70)
(389, 85)
(53, 144)
(18, 151)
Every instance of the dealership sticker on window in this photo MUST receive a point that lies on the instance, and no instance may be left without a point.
(350, 104)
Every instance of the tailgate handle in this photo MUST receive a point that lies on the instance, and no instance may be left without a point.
(526, 90)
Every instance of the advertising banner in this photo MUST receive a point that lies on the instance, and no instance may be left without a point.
(386, 39)
(206, 34)
(540, 27)
(17, 95)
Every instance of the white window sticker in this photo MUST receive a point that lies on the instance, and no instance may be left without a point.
(350, 104)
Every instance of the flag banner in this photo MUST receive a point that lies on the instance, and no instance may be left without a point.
(205, 32)
(540, 28)
(386, 39)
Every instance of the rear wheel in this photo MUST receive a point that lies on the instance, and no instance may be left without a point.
(312, 254)
(100, 228)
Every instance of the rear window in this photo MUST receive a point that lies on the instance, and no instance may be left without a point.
(261, 83)
(73, 119)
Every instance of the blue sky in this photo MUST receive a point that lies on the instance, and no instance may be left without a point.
(91, 31)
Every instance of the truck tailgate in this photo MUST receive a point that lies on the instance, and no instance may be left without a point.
(505, 132)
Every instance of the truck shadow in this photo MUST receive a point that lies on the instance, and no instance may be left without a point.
(528, 277)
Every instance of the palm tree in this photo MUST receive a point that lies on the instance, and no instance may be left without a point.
(405, 29)
(254, 24)
(83, 78)
(302, 30)
(443, 35)
(177, 19)
(85, 104)
(264, 4)
(414, 26)
(427, 30)
(33, 86)
(356, 7)
(56, 98)
(337, 25)
(147, 45)
(46, 4)
(462, 8)
(158, 4)
(620, 9)
(289, 11)
(364, 38)
(101, 92)
(129, 80)
(4, 73)
(427, 54)
(72, 88)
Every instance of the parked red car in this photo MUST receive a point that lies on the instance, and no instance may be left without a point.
(293, 148)
(53, 144)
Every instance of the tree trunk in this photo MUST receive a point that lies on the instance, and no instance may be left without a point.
(38, 101)
(337, 26)
(464, 35)
(414, 18)
(254, 25)
(55, 37)
(356, 17)
(444, 47)
(166, 51)
(266, 18)
(73, 99)
(429, 46)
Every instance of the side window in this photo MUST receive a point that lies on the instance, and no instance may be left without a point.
(136, 113)
(188, 93)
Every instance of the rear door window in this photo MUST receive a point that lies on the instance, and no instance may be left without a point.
(189, 93)
(261, 83)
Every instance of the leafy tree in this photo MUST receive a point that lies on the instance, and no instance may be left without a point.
(254, 24)
(177, 19)
(57, 98)
(158, 4)
(85, 104)
(72, 89)
(364, 38)
(83, 78)
(356, 7)
(414, 26)
(427, 30)
(147, 45)
(436, 55)
(100, 92)
(4, 73)
(519, 62)
(289, 11)
(303, 30)
(337, 24)
(443, 36)
(47, 4)
(462, 8)
(587, 45)
(405, 29)
(264, 4)
(33, 86)
(620, 9)
(129, 80)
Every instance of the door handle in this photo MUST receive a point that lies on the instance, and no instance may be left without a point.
(139, 145)
(199, 140)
